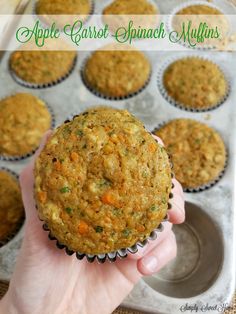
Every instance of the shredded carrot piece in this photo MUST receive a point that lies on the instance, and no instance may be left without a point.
(73, 137)
(57, 165)
(74, 156)
(152, 147)
(42, 196)
(83, 227)
(108, 198)
(140, 228)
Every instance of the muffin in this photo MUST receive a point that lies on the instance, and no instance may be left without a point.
(11, 206)
(199, 9)
(24, 119)
(114, 14)
(197, 151)
(195, 83)
(42, 67)
(102, 182)
(131, 7)
(116, 73)
(61, 7)
(202, 14)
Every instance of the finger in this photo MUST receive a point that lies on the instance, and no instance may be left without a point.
(27, 180)
(152, 244)
(158, 139)
(177, 212)
(158, 257)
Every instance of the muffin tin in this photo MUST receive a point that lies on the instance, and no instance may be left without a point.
(204, 269)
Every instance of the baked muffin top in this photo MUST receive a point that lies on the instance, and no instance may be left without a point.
(42, 67)
(102, 182)
(197, 151)
(195, 83)
(199, 9)
(24, 119)
(11, 206)
(116, 73)
(136, 7)
(69, 7)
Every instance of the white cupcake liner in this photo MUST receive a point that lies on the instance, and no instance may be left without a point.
(20, 224)
(21, 157)
(205, 186)
(100, 95)
(24, 83)
(183, 6)
(180, 105)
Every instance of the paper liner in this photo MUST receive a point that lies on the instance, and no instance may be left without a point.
(183, 6)
(44, 23)
(205, 186)
(179, 105)
(122, 253)
(21, 157)
(24, 83)
(19, 225)
(100, 95)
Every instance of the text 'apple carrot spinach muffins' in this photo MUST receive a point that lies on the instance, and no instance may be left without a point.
(197, 151)
(116, 74)
(102, 184)
(194, 84)
(11, 207)
(40, 69)
(24, 118)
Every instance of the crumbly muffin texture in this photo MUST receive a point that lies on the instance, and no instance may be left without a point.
(24, 119)
(69, 7)
(42, 67)
(197, 151)
(199, 9)
(130, 7)
(11, 206)
(195, 83)
(102, 182)
(116, 73)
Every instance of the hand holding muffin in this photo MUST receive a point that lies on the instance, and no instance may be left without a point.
(40, 266)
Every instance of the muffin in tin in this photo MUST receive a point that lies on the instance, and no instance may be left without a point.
(41, 67)
(196, 9)
(131, 7)
(102, 182)
(197, 151)
(141, 12)
(116, 73)
(61, 7)
(11, 206)
(195, 83)
(24, 118)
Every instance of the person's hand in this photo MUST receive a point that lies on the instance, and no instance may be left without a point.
(47, 281)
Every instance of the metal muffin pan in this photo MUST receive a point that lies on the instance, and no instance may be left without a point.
(203, 271)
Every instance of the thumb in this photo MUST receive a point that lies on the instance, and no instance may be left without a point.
(27, 181)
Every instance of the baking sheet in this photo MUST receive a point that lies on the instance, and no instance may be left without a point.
(71, 96)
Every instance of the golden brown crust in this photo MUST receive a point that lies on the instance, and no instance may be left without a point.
(130, 7)
(24, 119)
(195, 83)
(102, 183)
(42, 67)
(199, 9)
(68, 7)
(115, 73)
(11, 206)
(197, 151)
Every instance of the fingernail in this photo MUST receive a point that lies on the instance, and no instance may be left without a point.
(150, 263)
